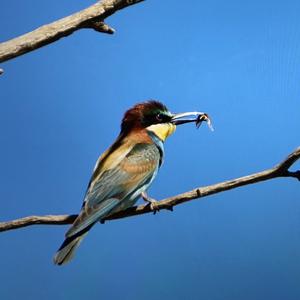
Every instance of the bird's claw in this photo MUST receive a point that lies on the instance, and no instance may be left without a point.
(155, 207)
(154, 204)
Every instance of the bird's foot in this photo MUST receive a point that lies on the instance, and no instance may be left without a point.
(154, 204)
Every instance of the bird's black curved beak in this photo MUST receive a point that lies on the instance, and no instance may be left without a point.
(189, 117)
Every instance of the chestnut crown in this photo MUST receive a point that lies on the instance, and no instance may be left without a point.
(145, 114)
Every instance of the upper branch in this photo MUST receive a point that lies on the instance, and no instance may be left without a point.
(281, 170)
(91, 17)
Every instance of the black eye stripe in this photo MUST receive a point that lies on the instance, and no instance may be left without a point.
(163, 118)
(159, 117)
(156, 118)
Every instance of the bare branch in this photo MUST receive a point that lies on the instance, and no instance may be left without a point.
(34, 220)
(91, 17)
(280, 170)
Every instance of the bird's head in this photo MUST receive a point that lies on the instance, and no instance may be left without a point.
(156, 118)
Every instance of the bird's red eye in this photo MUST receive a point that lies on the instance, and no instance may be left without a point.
(159, 117)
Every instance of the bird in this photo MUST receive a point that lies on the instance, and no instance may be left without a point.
(124, 172)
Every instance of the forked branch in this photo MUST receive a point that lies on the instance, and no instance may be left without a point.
(280, 170)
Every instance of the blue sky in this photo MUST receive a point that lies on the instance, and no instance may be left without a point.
(61, 107)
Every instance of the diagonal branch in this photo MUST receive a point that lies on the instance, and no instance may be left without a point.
(91, 17)
(280, 170)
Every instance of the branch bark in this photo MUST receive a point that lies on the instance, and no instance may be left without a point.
(91, 17)
(280, 170)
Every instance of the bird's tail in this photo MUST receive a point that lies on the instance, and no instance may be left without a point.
(67, 250)
(87, 218)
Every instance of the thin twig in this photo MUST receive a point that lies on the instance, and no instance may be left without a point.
(280, 170)
(91, 17)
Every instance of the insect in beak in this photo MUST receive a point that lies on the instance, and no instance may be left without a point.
(189, 117)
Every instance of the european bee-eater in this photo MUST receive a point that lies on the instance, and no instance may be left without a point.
(125, 171)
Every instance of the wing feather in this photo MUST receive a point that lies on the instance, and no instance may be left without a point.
(118, 183)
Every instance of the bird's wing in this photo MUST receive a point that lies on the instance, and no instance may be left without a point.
(120, 179)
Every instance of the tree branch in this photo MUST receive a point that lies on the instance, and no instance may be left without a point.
(280, 170)
(91, 17)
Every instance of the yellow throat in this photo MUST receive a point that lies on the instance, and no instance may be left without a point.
(162, 130)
